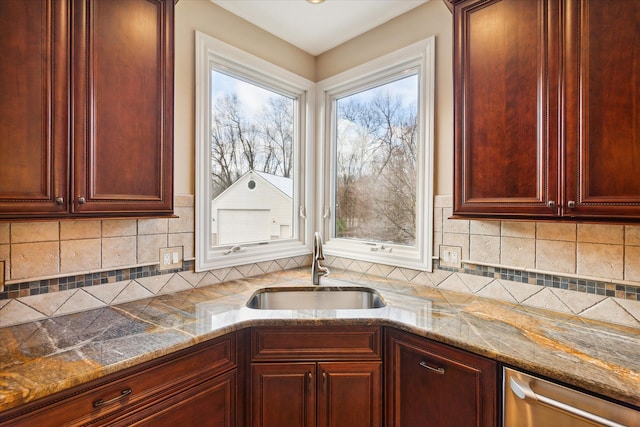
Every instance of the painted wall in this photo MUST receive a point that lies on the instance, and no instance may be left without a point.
(206, 17)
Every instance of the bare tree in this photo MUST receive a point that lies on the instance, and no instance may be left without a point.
(240, 142)
(276, 129)
(376, 163)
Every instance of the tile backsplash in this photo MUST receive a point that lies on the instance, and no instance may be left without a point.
(600, 252)
(59, 267)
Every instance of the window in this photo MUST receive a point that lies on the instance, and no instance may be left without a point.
(378, 137)
(252, 137)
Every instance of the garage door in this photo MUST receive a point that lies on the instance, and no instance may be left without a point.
(241, 226)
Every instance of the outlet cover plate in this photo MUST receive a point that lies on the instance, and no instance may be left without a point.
(171, 258)
(451, 256)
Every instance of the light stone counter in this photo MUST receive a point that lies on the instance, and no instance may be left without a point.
(41, 358)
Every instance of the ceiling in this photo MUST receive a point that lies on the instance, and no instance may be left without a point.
(316, 28)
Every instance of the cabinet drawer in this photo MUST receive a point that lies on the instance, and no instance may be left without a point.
(130, 389)
(316, 343)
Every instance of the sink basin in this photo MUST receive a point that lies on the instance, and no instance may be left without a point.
(316, 298)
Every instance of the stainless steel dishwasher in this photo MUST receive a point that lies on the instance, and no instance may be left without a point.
(534, 402)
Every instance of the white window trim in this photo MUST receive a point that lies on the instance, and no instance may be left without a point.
(420, 54)
(208, 50)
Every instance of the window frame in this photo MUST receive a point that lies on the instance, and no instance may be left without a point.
(419, 55)
(209, 51)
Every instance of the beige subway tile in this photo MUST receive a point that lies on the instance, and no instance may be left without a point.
(485, 228)
(454, 283)
(80, 255)
(518, 252)
(474, 283)
(437, 219)
(520, 291)
(443, 201)
(496, 290)
(456, 239)
(186, 241)
(600, 260)
(519, 229)
(4, 233)
(185, 222)
(74, 230)
(15, 313)
(548, 300)
(437, 241)
(48, 303)
(609, 310)
(632, 235)
(149, 247)
(556, 231)
(30, 260)
(552, 255)
(153, 226)
(601, 233)
(184, 200)
(632, 263)
(118, 251)
(25, 232)
(4, 256)
(133, 291)
(453, 225)
(119, 227)
(484, 248)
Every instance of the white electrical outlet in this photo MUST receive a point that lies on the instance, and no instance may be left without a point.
(171, 258)
(451, 256)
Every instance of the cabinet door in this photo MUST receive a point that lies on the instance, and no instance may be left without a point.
(349, 394)
(436, 385)
(506, 139)
(603, 108)
(34, 134)
(123, 106)
(283, 395)
(210, 404)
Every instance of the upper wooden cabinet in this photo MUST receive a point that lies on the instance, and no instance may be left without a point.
(86, 108)
(547, 123)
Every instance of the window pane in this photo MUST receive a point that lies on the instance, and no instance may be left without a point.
(376, 170)
(252, 139)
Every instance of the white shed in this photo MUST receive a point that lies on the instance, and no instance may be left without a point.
(257, 207)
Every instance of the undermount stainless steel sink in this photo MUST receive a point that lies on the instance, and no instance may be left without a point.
(316, 298)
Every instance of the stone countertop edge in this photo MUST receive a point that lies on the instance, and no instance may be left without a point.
(599, 357)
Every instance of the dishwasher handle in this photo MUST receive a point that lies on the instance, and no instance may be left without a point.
(524, 392)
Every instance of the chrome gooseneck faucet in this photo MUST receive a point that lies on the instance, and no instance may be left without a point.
(317, 270)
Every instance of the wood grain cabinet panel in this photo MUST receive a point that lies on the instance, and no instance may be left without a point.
(201, 379)
(34, 99)
(546, 117)
(436, 385)
(123, 106)
(86, 108)
(316, 376)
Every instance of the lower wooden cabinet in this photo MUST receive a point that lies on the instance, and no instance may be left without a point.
(183, 388)
(211, 403)
(322, 376)
(435, 385)
(298, 376)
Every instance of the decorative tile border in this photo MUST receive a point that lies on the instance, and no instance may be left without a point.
(609, 289)
(39, 287)
(589, 300)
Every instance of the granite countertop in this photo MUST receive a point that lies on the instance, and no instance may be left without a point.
(40, 358)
